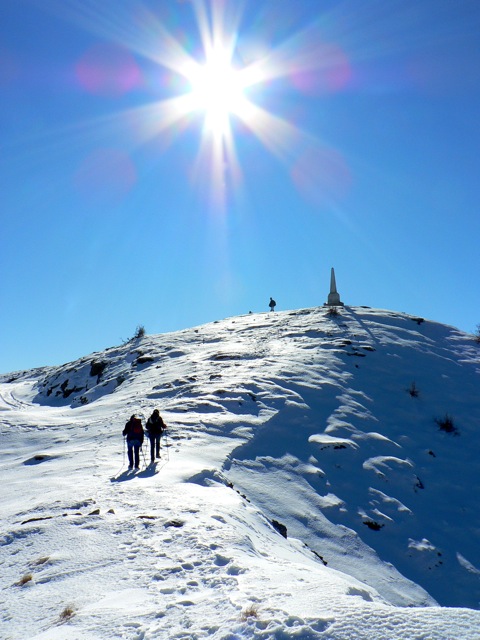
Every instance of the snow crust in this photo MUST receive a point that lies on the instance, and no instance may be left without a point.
(326, 428)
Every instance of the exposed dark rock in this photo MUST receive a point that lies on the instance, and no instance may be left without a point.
(281, 528)
(319, 556)
(38, 459)
(97, 368)
(37, 519)
(66, 392)
(174, 523)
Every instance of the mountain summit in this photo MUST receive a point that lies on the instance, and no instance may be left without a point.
(320, 472)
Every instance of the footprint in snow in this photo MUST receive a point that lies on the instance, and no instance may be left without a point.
(221, 561)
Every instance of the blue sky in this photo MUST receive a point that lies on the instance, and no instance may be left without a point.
(133, 192)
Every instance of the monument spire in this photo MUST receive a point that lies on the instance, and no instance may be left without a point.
(333, 296)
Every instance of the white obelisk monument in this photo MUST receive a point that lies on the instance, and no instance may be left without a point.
(333, 296)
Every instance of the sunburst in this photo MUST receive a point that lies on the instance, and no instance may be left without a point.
(216, 85)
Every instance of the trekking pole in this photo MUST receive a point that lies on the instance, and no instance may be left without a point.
(143, 454)
(166, 446)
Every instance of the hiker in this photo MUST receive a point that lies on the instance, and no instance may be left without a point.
(272, 304)
(134, 432)
(155, 428)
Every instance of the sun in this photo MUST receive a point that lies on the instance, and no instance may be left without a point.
(217, 88)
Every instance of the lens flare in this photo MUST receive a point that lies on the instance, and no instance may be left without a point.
(108, 70)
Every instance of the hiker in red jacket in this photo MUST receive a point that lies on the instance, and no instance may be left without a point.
(134, 432)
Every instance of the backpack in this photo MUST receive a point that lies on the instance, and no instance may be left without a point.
(155, 426)
(136, 429)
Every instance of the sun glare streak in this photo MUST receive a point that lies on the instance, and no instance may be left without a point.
(218, 29)
(306, 52)
(319, 172)
(217, 165)
(131, 25)
(276, 134)
(143, 123)
(152, 119)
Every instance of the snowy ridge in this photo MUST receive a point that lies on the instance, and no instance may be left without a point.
(358, 433)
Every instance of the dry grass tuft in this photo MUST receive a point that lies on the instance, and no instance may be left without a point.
(24, 580)
(67, 613)
(413, 390)
(250, 612)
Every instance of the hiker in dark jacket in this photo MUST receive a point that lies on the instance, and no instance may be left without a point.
(155, 428)
(134, 432)
(272, 304)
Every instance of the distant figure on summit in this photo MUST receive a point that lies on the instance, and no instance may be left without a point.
(272, 304)
(134, 432)
(155, 428)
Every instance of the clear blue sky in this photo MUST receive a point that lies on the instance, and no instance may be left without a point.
(136, 191)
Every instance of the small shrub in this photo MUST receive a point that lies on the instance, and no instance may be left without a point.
(139, 332)
(413, 390)
(446, 424)
(476, 335)
(250, 612)
(138, 335)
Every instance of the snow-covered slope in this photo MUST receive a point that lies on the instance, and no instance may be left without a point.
(358, 433)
